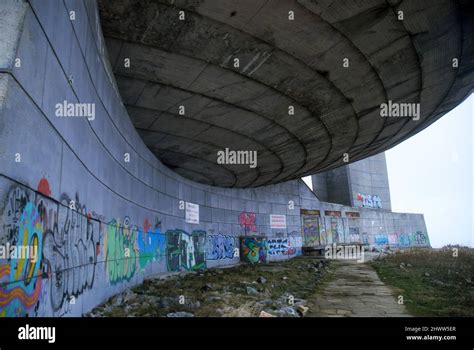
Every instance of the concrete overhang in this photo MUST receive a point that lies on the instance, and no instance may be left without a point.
(399, 51)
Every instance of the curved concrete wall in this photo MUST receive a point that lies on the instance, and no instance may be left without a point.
(98, 206)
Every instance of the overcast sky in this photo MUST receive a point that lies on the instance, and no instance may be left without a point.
(432, 173)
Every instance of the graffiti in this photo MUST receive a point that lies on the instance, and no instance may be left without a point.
(253, 249)
(354, 235)
(69, 248)
(393, 239)
(185, 251)
(121, 249)
(403, 239)
(311, 230)
(335, 229)
(380, 239)
(220, 247)
(278, 246)
(419, 238)
(369, 201)
(151, 243)
(295, 243)
(19, 296)
(247, 221)
(365, 238)
(65, 237)
(16, 202)
(43, 187)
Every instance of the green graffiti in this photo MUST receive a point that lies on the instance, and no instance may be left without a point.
(121, 251)
(185, 251)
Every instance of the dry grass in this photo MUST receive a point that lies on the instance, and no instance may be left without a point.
(434, 282)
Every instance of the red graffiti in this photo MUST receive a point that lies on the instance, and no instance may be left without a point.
(247, 221)
(146, 225)
(43, 187)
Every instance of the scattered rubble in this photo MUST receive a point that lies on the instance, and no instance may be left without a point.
(279, 289)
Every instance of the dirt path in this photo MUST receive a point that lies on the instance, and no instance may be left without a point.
(356, 291)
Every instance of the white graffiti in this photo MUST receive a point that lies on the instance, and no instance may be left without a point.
(370, 201)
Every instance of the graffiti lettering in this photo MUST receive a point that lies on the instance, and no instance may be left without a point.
(253, 249)
(248, 222)
(185, 251)
(220, 247)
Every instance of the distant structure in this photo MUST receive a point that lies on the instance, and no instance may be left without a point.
(355, 208)
(360, 184)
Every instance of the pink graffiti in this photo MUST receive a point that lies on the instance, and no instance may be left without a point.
(247, 221)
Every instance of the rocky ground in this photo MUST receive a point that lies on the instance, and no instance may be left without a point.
(286, 288)
(424, 282)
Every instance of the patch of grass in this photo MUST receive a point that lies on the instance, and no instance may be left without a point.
(433, 282)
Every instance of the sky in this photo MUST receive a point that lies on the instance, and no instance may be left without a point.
(432, 173)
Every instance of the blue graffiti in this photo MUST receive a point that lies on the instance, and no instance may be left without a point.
(403, 239)
(381, 239)
(220, 247)
(151, 245)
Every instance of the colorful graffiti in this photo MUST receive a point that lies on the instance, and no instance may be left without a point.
(403, 239)
(354, 235)
(419, 238)
(121, 249)
(253, 249)
(247, 221)
(369, 201)
(65, 237)
(151, 243)
(311, 230)
(219, 247)
(380, 239)
(186, 251)
(335, 229)
(295, 243)
(19, 296)
(278, 246)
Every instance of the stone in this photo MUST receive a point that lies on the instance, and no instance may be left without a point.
(206, 287)
(117, 300)
(180, 314)
(168, 302)
(302, 310)
(265, 314)
(252, 291)
(287, 312)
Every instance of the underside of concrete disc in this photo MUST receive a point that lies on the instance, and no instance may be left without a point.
(301, 83)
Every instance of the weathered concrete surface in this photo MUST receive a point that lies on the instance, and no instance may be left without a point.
(360, 184)
(284, 62)
(357, 291)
